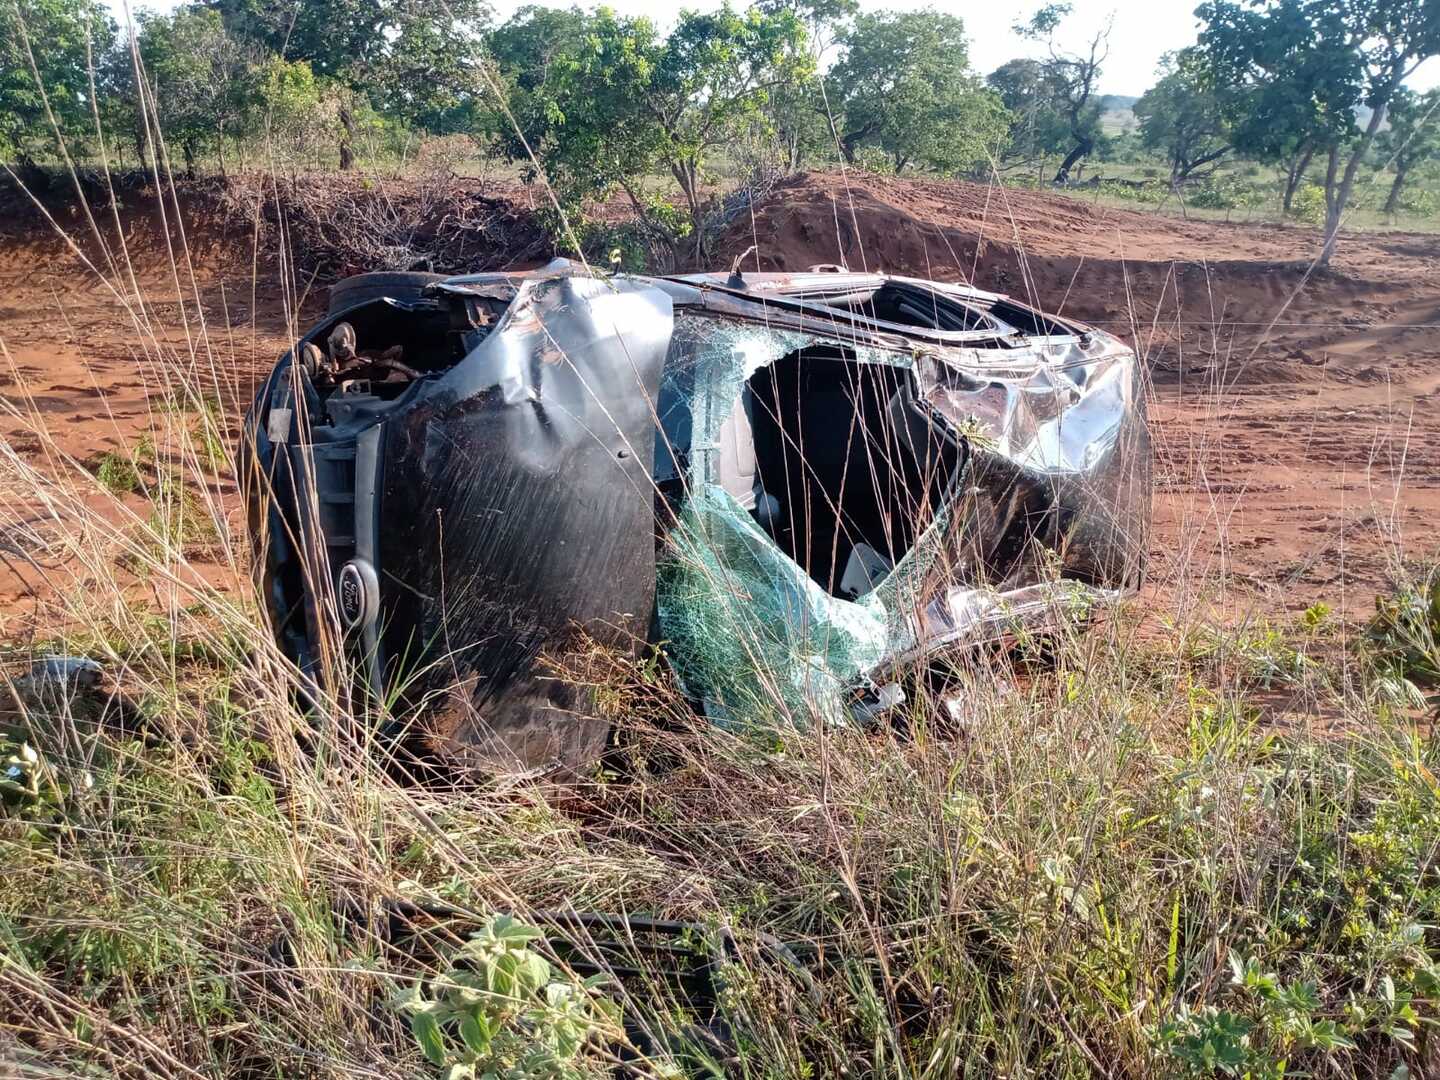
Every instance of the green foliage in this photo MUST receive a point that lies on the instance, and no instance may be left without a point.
(412, 61)
(1292, 74)
(1181, 117)
(203, 79)
(1411, 141)
(117, 473)
(1270, 1023)
(521, 52)
(903, 83)
(1308, 204)
(1404, 638)
(618, 102)
(1038, 126)
(1147, 194)
(1424, 202)
(502, 1011)
(65, 39)
(1225, 191)
(295, 111)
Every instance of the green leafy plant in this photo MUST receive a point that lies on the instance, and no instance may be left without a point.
(1404, 640)
(503, 1011)
(1309, 204)
(117, 473)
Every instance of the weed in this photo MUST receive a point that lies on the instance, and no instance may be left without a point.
(501, 1010)
(117, 473)
(1404, 640)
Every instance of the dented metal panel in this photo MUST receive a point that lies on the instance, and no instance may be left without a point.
(518, 519)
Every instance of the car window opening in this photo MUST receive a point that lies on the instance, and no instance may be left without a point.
(906, 305)
(380, 348)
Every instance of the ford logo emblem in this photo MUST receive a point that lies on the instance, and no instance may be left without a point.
(357, 593)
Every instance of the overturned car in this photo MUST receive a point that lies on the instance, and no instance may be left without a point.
(799, 485)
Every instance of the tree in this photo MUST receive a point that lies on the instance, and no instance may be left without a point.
(1181, 117)
(903, 83)
(522, 52)
(623, 102)
(293, 110)
(797, 113)
(1069, 81)
(1038, 129)
(61, 41)
(1299, 69)
(1413, 138)
(409, 59)
(202, 79)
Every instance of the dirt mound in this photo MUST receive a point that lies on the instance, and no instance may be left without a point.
(328, 226)
(913, 225)
(1186, 291)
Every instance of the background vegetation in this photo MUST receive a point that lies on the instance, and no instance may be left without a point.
(1296, 108)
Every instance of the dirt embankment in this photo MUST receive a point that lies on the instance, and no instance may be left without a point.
(1296, 419)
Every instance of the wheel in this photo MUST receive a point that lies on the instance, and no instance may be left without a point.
(348, 292)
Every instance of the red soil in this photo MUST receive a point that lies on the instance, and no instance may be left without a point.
(1295, 412)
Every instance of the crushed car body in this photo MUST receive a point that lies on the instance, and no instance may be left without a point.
(800, 486)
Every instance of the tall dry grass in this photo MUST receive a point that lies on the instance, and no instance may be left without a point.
(1102, 863)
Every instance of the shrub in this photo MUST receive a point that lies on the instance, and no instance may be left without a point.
(1308, 205)
(1404, 640)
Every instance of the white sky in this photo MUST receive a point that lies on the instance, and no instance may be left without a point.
(1143, 30)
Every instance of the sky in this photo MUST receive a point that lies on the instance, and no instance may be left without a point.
(1143, 30)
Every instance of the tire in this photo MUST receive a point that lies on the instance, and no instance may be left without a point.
(348, 292)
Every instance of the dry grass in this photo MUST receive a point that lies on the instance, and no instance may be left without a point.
(1108, 867)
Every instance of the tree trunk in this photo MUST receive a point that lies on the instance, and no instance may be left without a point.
(347, 139)
(687, 175)
(142, 145)
(1294, 174)
(1335, 203)
(1392, 201)
(188, 149)
(1062, 175)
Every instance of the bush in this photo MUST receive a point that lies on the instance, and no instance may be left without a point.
(1151, 194)
(502, 1010)
(1308, 205)
(1223, 192)
(1421, 202)
(1404, 640)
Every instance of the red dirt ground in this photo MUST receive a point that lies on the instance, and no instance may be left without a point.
(1295, 413)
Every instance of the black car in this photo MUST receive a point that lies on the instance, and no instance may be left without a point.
(798, 485)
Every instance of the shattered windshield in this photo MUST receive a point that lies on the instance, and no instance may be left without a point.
(788, 572)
